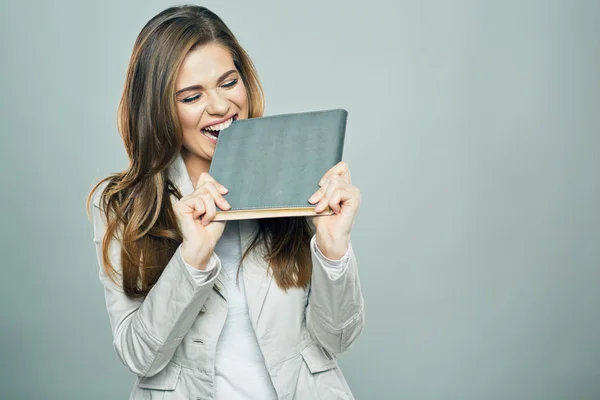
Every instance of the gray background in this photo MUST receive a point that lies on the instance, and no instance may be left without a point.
(474, 136)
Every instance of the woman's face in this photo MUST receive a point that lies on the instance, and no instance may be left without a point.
(210, 94)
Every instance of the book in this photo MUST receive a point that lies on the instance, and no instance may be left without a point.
(272, 165)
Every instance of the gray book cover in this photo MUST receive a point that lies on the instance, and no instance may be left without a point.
(272, 165)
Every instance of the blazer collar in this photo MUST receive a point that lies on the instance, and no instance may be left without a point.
(178, 174)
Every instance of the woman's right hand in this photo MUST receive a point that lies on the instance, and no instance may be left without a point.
(195, 214)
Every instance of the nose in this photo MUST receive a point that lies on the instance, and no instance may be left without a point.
(217, 103)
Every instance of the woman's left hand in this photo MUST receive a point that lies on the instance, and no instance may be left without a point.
(337, 192)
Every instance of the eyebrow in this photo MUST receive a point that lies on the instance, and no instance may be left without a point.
(200, 87)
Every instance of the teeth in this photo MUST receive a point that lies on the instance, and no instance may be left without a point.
(210, 136)
(220, 126)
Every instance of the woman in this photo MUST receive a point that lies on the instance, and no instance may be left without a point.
(200, 309)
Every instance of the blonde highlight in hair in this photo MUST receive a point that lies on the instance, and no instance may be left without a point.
(137, 202)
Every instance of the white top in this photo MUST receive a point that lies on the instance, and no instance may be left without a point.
(240, 371)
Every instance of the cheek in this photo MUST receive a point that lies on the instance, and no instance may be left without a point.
(240, 97)
(188, 115)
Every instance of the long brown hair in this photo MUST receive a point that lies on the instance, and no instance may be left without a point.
(137, 201)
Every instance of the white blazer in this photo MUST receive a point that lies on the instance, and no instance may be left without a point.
(168, 339)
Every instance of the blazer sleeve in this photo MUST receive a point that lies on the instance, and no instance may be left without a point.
(335, 312)
(147, 331)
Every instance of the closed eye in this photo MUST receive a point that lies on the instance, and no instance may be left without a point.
(229, 84)
(190, 99)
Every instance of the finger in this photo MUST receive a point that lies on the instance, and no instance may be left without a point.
(340, 169)
(316, 196)
(328, 187)
(210, 188)
(336, 199)
(209, 205)
(322, 204)
(205, 177)
(334, 185)
(322, 201)
(192, 206)
(333, 190)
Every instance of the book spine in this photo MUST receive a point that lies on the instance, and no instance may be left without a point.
(342, 135)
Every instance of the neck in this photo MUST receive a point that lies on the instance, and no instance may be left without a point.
(194, 165)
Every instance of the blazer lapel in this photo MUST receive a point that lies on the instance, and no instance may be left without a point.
(180, 177)
(257, 278)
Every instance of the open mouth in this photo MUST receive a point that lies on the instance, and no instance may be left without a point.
(212, 131)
